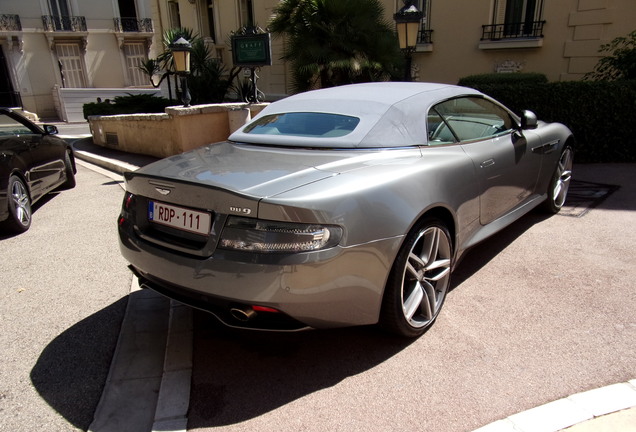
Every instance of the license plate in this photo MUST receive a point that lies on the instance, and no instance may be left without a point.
(180, 218)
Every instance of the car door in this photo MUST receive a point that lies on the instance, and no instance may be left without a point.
(14, 150)
(506, 168)
(46, 158)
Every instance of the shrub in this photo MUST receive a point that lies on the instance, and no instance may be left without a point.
(600, 114)
(620, 62)
(503, 78)
(131, 104)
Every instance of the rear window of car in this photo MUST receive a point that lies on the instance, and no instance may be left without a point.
(304, 124)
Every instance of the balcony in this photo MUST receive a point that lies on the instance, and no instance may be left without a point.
(530, 29)
(54, 23)
(10, 22)
(527, 34)
(125, 25)
(425, 36)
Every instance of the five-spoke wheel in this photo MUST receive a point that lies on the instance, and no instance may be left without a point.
(419, 280)
(558, 190)
(19, 206)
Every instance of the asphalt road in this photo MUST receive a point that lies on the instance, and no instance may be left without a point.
(63, 294)
(541, 311)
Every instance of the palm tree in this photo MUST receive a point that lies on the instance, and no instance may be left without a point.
(335, 42)
(207, 81)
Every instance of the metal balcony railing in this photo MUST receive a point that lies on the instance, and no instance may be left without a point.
(64, 23)
(10, 22)
(133, 25)
(517, 30)
(425, 36)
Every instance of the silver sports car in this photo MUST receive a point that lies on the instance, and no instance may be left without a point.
(339, 207)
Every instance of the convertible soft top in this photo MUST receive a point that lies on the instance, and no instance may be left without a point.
(392, 114)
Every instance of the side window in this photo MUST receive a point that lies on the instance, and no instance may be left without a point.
(438, 131)
(467, 119)
(9, 126)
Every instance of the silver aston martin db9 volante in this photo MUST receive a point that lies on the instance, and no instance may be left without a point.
(339, 207)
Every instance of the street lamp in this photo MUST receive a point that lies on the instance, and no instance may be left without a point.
(181, 56)
(407, 23)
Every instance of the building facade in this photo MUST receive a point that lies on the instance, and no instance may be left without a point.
(559, 38)
(53, 50)
(50, 47)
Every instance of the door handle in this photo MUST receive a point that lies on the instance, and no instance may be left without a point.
(487, 163)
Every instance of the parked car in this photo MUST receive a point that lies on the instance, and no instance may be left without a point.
(342, 206)
(33, 162)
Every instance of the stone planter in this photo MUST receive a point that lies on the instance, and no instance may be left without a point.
(177, 130)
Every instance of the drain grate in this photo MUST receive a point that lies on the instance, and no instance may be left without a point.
(583, 196)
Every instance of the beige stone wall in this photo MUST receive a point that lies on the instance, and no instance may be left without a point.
(573, 33)
(177, 130)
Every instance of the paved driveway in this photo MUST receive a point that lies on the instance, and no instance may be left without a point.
(541, 311)
(63, 289)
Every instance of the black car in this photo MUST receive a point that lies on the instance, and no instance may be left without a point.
(33, 162)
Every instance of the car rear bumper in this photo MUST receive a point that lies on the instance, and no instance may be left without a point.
(337, 287)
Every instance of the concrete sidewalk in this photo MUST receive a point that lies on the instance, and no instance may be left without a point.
(611, 408)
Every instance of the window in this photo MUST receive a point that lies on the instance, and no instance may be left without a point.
(128, 15)
(515, 18)
(425, 35)
(71, 65)
(60, 15)
(135, 54)
(210, 16)
(467, 119)
(175, 16)
(304, 124)
(246, 13)
(9, 126)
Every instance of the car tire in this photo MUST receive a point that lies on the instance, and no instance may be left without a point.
(19, 202)
(69, 170)
(419, 280)
(560, 183)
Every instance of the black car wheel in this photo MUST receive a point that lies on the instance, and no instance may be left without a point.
(69, 170)
(19, 206)
(419, 280)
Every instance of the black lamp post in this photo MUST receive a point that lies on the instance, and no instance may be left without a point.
(181, 56)
(407, 22)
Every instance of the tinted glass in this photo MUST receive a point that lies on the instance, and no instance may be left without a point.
(9, 126)
(304, 124)
(468, 118)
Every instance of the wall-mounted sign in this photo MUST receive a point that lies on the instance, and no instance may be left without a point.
(252, 50)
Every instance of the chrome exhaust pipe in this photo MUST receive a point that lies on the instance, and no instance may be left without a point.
(243, 314)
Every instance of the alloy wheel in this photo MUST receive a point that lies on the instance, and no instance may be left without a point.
(426, 276)
(21, 203)
(562, 179)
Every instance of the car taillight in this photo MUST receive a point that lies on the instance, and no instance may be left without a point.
(256, 235)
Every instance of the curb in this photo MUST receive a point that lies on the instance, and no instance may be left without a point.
(143, 393)
(570, 411)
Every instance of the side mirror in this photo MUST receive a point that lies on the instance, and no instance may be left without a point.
(528, 120)
(50, 129)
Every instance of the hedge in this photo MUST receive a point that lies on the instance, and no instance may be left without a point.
(601, 114)
(130, 104)
(503, 78)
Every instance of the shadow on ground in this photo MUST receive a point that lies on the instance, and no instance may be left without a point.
(34, 208)
(240, 375)
(71, 371)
